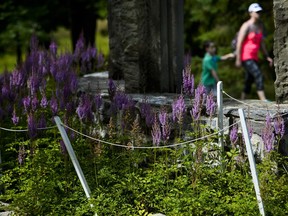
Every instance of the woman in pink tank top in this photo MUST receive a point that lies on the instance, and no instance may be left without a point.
(249, 42)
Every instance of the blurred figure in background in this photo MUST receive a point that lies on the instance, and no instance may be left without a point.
(250, 40)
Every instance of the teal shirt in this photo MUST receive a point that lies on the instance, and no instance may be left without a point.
(209, 63)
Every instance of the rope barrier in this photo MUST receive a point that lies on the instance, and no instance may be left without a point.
(26, 130)
(258, 108)
(148, 147)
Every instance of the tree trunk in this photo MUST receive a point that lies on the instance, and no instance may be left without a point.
(280, 8)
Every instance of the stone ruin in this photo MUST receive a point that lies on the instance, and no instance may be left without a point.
(146, 44)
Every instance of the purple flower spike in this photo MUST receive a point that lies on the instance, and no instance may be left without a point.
(53, 49)
(188, 81)
(44, 102)
(98, 101)
(15, 119)
(111, 88)
(210, 105)
(165, 126)
(234, 134)
(156, 133)
(268, 135)
(178, 109)
(27, 103)
(54, 106)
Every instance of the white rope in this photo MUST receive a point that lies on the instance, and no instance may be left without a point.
(148, 147)
(249, 105)
(25, 130)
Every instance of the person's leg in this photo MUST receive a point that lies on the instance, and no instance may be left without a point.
(248, 80)
(258, 76)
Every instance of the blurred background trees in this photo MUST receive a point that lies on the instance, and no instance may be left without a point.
(65, 20)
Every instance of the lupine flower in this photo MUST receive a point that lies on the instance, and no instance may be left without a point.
(165, 126)
(98, 101)
(34, 84)
(198, 102)
(146, 112)
(15, 118)
(34, 103)
(156, 133)
(32, 127)
(54, 105)
(234, 134)
(210, 105)
(44, 101)
(17, 79)
(178, 109)
(84, 110)
(268, 135)
(53, 49)
(21, 155)
(80, 46)
(121, 101)
(33, 43)
(111, 88)
(26, 102)
(188, 81)
(279, 126)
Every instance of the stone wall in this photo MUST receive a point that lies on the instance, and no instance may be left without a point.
(281, 49)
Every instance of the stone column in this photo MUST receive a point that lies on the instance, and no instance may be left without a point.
(280, 8)
(146, 44)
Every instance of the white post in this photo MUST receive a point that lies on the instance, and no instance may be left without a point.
(73, 156)
(220, 113)
(251, 161)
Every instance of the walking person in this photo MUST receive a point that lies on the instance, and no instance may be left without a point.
(250, 40)
(209, 76)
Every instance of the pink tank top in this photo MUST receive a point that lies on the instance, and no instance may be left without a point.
(251, 46)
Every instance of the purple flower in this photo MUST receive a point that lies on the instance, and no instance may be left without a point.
(279, 126)
(146, 112)
(98, 101)
(188, 81)
(44, 101)
(15, 118)
(234, 134)
(178, 109)
(210, 105)
(165, 126)
(34, 103)
(84, 110)
(54, 105)
(268, 135)
(156, 133)
(111, 88)
(53, 49)
(26, 102)
(198, 102)
(17, 79)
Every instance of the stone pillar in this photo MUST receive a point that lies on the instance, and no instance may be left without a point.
(146, 41)
(280, 8)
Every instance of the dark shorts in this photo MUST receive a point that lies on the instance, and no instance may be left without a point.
(252, 74)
